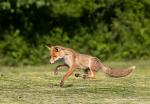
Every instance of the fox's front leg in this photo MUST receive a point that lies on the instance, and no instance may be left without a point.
(69, 72)
(58, 68)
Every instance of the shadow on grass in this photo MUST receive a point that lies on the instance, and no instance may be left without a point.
(58, 85)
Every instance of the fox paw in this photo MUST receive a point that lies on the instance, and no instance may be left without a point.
(77, 75)
(85, 76)
(61, 84)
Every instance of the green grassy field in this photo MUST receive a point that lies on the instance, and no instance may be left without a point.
(38, 85)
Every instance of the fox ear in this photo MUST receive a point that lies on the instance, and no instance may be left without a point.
(48, 47)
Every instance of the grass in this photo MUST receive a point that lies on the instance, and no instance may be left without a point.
(38, 85)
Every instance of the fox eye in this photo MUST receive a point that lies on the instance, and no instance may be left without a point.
(56, 49)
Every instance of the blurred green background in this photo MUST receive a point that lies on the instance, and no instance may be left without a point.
(108, 29)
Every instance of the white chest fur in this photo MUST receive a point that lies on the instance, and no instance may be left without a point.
(67, 60)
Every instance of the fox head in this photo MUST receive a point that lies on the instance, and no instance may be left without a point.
(56, 53)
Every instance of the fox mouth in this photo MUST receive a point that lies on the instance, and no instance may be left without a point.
(56, 59)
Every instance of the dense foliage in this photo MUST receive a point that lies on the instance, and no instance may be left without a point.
(108, 29)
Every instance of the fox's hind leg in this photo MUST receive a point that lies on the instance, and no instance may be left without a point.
(94, 66)
(81, 75)
(87, 74)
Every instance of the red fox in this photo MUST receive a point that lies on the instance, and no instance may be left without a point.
(89, 64)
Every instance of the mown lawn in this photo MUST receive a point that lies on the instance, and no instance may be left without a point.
(38, 85)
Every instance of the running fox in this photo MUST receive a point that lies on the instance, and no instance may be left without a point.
(89, 64)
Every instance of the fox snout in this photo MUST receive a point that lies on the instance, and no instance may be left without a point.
(51, 62)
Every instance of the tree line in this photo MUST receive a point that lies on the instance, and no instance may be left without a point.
(108, 29)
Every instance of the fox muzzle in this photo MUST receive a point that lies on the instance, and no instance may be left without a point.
(51, 62)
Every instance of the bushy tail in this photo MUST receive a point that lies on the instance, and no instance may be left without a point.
(117, 72)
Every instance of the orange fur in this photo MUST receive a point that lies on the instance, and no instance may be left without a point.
(88, 63)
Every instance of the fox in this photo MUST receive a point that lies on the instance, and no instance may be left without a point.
(89, 64)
